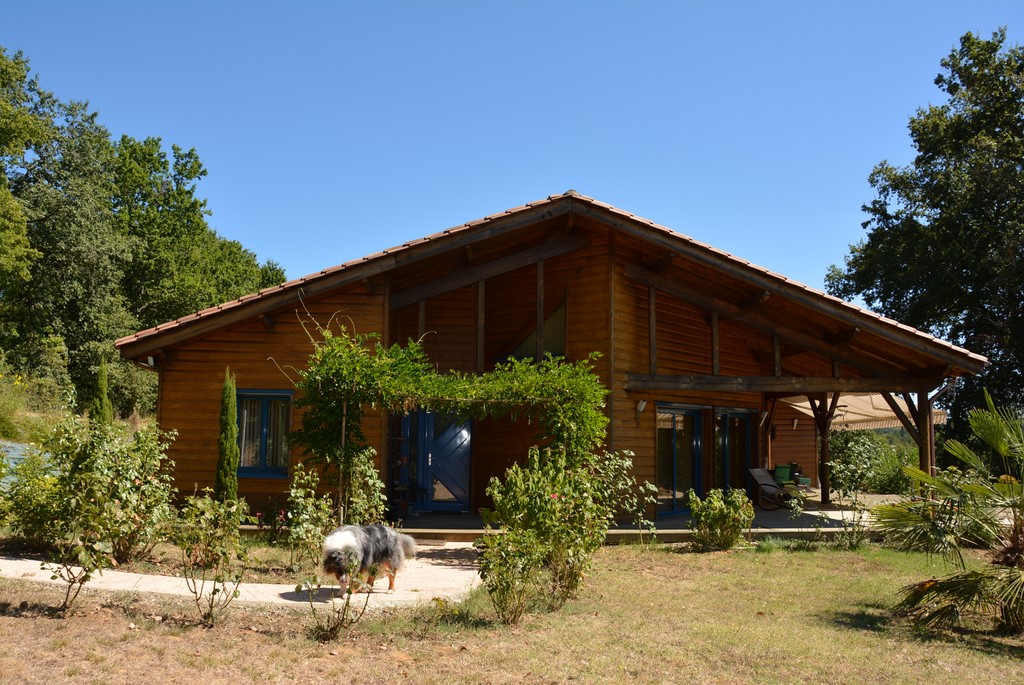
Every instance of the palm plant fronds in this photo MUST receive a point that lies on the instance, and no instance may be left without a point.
(961, 509)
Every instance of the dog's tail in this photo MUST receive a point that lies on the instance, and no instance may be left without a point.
(408, 544)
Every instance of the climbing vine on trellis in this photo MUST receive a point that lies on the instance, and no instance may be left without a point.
(349, 372)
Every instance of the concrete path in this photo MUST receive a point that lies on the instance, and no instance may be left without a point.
(447, 570)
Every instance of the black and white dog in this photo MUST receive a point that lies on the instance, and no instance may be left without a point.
(365, 551)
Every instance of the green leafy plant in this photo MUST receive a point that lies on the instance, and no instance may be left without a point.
(348, 372)
(366, 496)
(718, 521)
(852, 468)
(972, 507)
(128, 478)
(510, 563)
(888, 476)
(212, 554)
(310, 517)
(33, 500)
(327, 624)
(567, 506)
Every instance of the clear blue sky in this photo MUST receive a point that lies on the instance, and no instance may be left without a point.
(332, 130)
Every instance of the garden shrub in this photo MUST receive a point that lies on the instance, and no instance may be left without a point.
(93, 496)
(888, 476)
(568, 508)
(509, 565)
(34, 501)
(135, 478)
(310, 517)
(718, 521)
(212, 553)
(365, 498)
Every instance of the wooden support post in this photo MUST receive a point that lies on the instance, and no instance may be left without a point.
(715, 362)
(776, 357)
(481, 301)
(652, 329)
(824, 412)
(540, 311)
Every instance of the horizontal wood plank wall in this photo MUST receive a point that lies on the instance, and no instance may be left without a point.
(584, 277)
(510, 313)
(192, 377)
(497, 444)
(799, 444)
(579, 279)
(683, 347)
(449, 338)
(631, 306)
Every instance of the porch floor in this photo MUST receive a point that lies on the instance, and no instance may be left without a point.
(816, 520)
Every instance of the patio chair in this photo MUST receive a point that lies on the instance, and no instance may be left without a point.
(770, 493)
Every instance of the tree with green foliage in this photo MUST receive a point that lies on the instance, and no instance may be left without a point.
(976, 508)
(21, 127)
(945, 234)
(102, 410)
(101, 238)
(225, 485)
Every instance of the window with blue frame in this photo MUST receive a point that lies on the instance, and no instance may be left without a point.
(264, 419)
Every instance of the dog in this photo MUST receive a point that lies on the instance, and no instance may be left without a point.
(365, 551)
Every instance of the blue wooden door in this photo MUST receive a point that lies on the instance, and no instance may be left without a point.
(444, 463)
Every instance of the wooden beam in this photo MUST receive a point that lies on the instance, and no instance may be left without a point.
(267, 322)
(776, 357)
(481, 310)
(908, 425)
(805, 297)
(716, 365)
(756, 300)
(473, 274)
(652, 330)
(755, 320)
(824, 412)
(664, 262)
(540, 311)
(844, 337)
(792, 385)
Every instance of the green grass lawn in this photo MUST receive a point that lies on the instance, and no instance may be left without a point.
(646, 615)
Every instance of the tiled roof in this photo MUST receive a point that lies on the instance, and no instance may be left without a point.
(572, 195)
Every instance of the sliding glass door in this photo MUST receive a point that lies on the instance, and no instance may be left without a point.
(678, 447)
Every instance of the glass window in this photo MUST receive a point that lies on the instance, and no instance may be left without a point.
(263, 423)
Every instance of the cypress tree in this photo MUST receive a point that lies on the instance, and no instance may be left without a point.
(101, 410)
(225, 486)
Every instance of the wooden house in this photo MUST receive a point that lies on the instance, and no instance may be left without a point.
(697, 348)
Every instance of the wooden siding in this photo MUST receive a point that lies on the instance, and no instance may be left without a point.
(449, 329)
(799, 444)
(192, 376)
(497, 444)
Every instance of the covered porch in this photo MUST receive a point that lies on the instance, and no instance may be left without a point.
(816, 521)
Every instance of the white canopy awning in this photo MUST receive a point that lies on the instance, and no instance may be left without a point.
(862, 411)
